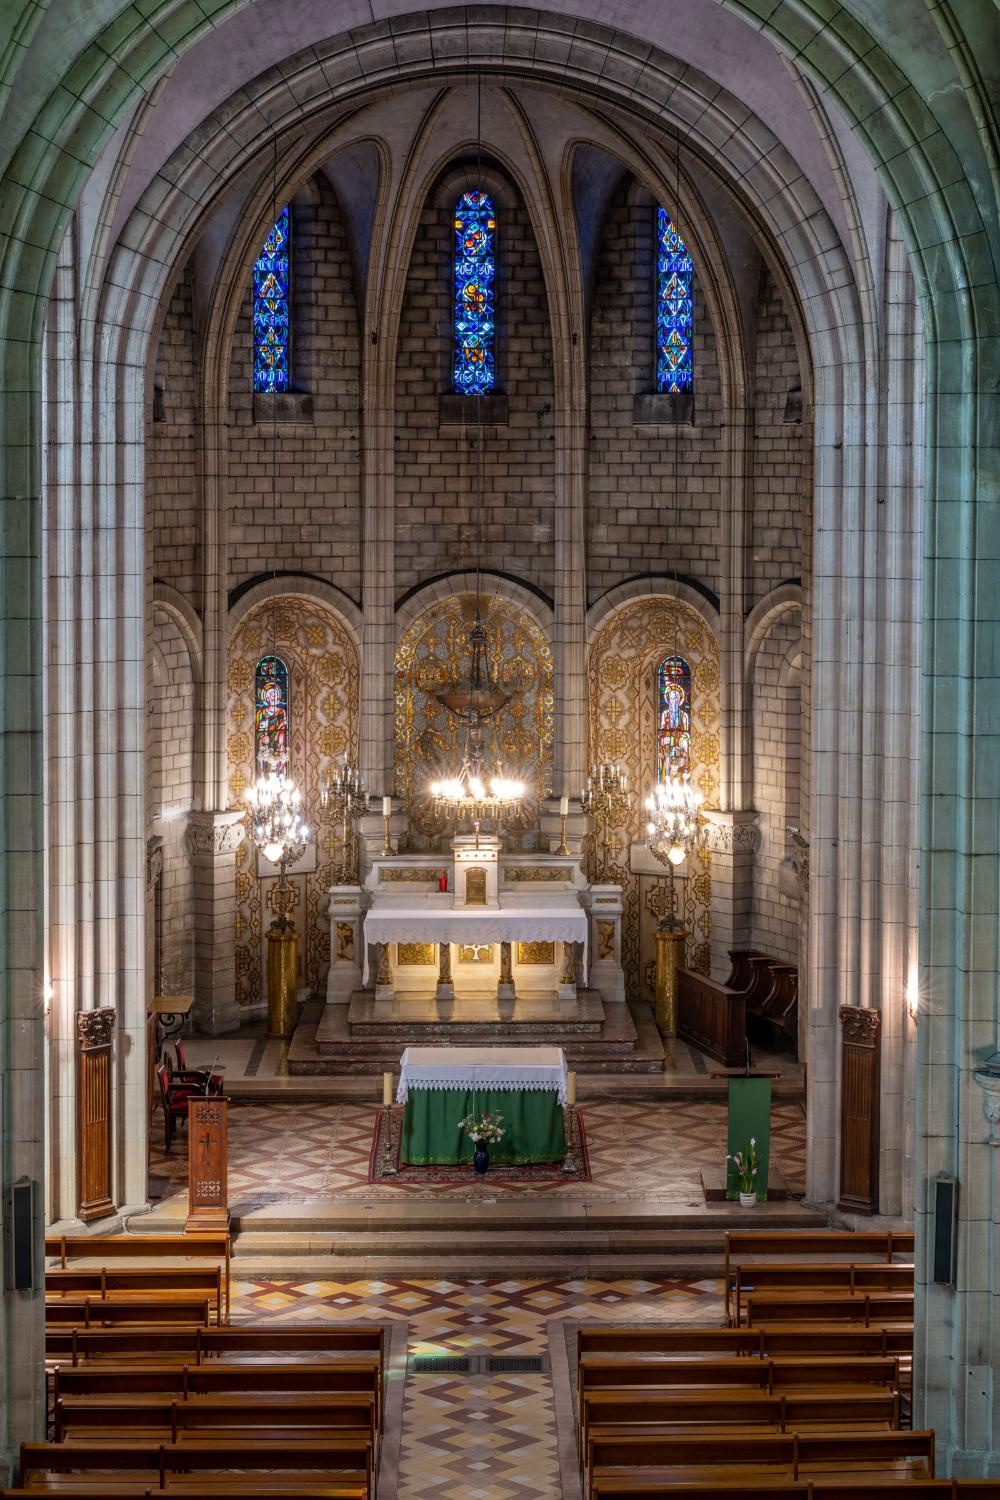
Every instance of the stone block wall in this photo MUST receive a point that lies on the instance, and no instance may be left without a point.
(435, 463)
(776, 784)
(318, 469)
(639, 519)
(172, 520)
(779, 475)
(170, 726)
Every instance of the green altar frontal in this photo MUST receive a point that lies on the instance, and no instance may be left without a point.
(440, 1086)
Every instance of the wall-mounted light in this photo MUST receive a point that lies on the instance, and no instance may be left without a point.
(912, 993)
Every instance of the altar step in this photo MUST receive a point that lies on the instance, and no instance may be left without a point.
(326, 1041)
(406, 1018)
(448, 1241)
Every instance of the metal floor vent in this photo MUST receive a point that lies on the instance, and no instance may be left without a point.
(515, 1364)
(440, 1364)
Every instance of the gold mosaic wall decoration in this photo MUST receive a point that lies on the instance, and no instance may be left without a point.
(416, 953)
(323, 701)
(624, 657)
(536, 953)
(475, 953)
(536, 873)
(434, 652)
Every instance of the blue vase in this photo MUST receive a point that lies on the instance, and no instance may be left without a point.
(481, 1158)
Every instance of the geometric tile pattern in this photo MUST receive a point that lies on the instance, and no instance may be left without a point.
(651, 1150)
(478, 1437)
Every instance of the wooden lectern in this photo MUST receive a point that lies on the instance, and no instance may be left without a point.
(208, 1163)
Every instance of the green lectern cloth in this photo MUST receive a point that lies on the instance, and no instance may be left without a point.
(749, 1117)
(532, 1119)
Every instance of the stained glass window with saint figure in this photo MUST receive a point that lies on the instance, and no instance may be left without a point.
(673, 723)
(271, 317)
(674, 309)
(475, 297)
(271, 716)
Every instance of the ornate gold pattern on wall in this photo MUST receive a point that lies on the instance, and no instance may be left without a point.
(435, 651)
(544, 873)
(536, 953)
(416, 953)
(624, 657)
(320, 656)
(475, 953)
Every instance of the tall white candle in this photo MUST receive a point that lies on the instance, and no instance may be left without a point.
(563, 807)
(387, 807)
(387, 1089)
(570, 1088)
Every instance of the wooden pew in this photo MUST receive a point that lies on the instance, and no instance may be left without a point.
(735, 1458)
(97, 1312)
(149, 1280)
(685, 1409)
(785, 1339)
(104, 1248)
(357, 1372)
(350, 1488)
(200, 1342)
(712, 1018)
(800, 1276)
(162, 1418)
(827, 1244)
(829, 1307)
(605, 1371)
(152, 1463)
(819, 1489)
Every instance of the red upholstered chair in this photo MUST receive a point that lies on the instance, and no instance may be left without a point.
(197, 1076)
(174, 1098)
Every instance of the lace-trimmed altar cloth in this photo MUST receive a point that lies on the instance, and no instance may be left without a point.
(544, 919)
(531, 1068)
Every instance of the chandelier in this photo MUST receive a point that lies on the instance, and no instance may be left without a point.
(278, 829)
(607, 799)
(673, 828)
(473, 791)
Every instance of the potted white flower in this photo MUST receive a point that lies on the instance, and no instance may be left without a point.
(745, 1163)
(485, 1131)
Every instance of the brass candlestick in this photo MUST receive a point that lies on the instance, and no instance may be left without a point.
(386, 842)
(607, 799)
(563, 846)
(344, 799)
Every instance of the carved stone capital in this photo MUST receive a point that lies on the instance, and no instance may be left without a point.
(94, 1027)
(154, 863)
(990, 1085)
(860, 1025)
(730, 832)
(215, 833)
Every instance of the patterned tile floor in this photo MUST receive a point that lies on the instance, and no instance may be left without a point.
(481, 1437)
(300, 1151)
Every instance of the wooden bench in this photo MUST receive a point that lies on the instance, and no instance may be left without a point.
(358, 1372)
(827, 1244)
(104, 1248)
(830, 1307)
(738, 1458)
(198, 1341)
(151, 1463)
(158, 1281)
(351, 1488)
(785, 1339)
(629, 1488)
(606, 1371)
(82, 1418)
(798, 1412)
(851, 1278)
(107, 1312)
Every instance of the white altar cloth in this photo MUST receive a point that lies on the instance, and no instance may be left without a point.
(533, 1068)
(549, 918)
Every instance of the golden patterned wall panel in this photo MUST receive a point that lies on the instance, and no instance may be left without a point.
(536, 953)
(475, 953)
(416, 953)
(345, 942)
(323, 701)
(623, 662)
(475, 887)
(433, 652)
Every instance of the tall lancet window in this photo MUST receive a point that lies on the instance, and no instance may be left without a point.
(271, 716)
(272, 326)
(674, 309)
(673, 724)
(475, 294)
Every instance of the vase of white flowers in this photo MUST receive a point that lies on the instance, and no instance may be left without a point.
(484, 1131)
(745, 1164)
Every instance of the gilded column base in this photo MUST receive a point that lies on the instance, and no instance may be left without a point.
(282, 980)
(669, 959)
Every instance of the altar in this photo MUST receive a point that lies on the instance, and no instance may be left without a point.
(439, 1086)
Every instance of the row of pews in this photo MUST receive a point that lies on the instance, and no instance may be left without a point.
(784, 1402)
(761, 997)
(152, 1391)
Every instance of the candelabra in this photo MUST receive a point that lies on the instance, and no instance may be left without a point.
(607, 800)
(673, 832)
(343, 799)
(279, 831)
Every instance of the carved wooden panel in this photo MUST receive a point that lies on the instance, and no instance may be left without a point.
(712, 1017)
(208, 1160)
(861, 1036)
(94, 1030)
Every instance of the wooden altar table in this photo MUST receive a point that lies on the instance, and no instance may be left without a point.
(438, 1086)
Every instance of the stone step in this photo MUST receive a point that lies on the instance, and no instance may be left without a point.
(474, 1265)
(678, 1227)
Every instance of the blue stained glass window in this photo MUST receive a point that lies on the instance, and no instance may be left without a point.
(475, 313)
(673, 720)
(271, 716)
(271, 321)
(674, 308)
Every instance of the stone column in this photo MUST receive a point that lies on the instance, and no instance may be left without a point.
(345, 943)
(732, 838)
(505, 988)
(445, 985)
(383, 974)
(213, 839)
(604, 903)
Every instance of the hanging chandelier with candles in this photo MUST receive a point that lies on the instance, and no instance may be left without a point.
(673, 829)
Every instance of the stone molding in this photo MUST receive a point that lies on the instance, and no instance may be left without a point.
(154, 863)
(990, 1085)
(215, 833)
(730, 833)
(94, 1027)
